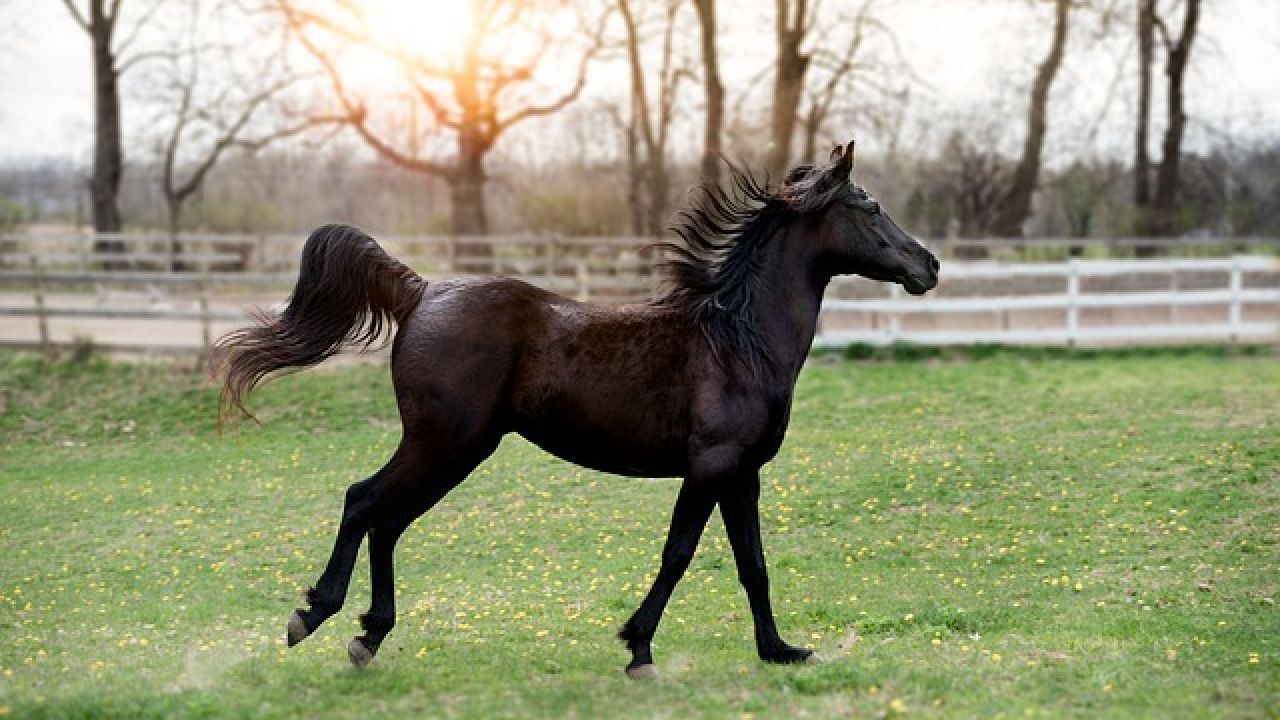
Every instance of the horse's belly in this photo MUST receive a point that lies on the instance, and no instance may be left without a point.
(619, 448)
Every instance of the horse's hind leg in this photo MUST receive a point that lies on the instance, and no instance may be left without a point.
(383, 536)
(326, 597)
(382, 612)
(437, 477)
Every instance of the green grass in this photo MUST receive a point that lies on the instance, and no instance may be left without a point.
(1013, 535)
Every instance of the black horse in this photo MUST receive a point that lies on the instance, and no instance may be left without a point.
(696, 384)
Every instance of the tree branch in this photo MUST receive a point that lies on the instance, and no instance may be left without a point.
(76, 14)
(140, 23)
(1165, 37)
(500, 125)
(355, 113)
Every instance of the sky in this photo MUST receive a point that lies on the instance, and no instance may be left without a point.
(970, 54)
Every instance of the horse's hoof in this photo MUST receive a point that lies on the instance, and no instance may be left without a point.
(359, 653)
(297, 630)
(642, 672)
(813, 659)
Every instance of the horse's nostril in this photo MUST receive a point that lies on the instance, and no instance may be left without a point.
(933, 263)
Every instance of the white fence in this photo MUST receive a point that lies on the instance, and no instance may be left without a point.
(1231, 300)
(59, 289)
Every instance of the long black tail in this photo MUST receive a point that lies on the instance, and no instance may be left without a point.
(349, 290)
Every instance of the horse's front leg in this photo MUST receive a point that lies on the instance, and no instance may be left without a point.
(693, 509)
(740, 508)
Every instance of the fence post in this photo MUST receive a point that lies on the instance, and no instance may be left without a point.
(1236, 288)
(584, 281)
(259, 263)
(451, 253)
(657, 256)
(1073, 301)
(42, 318)
(894, 325)
(550, 249)
(206, 330)
(85, 245)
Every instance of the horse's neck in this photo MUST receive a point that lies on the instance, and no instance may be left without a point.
(787, 305)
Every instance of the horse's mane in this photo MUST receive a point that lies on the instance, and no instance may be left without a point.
(714, 275)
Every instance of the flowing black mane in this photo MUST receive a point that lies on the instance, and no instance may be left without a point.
(714, 274)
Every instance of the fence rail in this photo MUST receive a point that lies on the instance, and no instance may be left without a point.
(85, 252)
(64, 284)
(1234, 296)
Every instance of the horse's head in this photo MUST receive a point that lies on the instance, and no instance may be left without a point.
(856, 236)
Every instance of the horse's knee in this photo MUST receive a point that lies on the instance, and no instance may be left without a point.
(754, 578)
(356, 493)
(677, 559)
(356, 504)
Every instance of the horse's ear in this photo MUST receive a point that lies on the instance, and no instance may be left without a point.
(844, 163)
(836, 152)
(797, 174)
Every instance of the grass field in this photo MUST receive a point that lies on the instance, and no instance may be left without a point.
(1011, 536)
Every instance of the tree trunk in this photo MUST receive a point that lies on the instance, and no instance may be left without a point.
(175, 233)
(714, 120)
(812, 126)
(108, 163)
(466, 195)
(1141, 158)
(635, 181)
(788, 86)
(1167, 175)
(657, 187)
(1016, 205)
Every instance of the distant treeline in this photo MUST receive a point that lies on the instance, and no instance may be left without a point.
(952, 192)
(595, 117)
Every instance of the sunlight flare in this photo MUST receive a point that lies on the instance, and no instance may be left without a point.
(430, 30)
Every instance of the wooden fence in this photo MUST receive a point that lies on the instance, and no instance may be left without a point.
(64, 284)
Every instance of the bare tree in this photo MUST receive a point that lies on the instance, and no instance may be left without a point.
(1015, 206)
(650, 118)
(207, 114)
(714, 91)
(476, 97)
(858, 73)
(1178, 53)
(974, 178)
(100, 24)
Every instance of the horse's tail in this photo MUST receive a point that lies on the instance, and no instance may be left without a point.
(349, 290)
